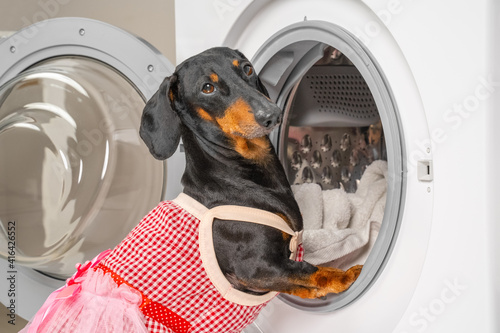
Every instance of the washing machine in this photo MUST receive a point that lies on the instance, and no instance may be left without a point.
(423, 75)
(75, 177)
(409, 83)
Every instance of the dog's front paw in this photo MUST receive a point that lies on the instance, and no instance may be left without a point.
(333, 280)
(353, 272)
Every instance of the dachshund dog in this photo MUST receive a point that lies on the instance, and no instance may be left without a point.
(183, 272)
(217, 104)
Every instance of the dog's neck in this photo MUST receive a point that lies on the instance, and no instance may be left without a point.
(221, 175)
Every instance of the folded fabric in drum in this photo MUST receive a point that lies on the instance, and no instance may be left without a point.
(340, 226)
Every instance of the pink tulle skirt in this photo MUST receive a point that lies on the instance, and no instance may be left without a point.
(100, 306)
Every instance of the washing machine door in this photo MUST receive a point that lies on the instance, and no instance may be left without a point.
(75, 177)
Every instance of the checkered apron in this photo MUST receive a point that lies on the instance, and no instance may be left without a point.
(165, 259)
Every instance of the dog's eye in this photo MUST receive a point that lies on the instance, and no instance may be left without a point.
(248, 70)
(208, 88)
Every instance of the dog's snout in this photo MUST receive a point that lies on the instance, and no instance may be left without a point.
(268, 119)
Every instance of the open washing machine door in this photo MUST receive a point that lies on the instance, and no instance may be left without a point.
(75, 177)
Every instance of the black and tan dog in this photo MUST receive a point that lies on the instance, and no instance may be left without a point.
(217, 104)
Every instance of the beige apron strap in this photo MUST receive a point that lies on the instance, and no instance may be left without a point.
(191, 205)
(207, 251)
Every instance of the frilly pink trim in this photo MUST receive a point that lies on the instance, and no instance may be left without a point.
(90, 302)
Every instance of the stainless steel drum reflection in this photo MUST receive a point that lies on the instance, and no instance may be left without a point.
(74, 174)
(334, 130)
(342, 165)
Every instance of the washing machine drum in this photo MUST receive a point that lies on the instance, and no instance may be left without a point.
(75, 176)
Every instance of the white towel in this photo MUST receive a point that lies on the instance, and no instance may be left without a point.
(308, 197)
(340, 228)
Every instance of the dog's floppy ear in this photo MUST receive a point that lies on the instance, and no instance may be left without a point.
(160, 124)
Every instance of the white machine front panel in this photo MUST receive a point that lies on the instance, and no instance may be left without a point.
(452, 295)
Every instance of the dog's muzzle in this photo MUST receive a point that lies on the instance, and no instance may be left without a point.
(269, 118)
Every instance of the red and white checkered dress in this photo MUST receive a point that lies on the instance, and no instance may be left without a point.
(161, 260)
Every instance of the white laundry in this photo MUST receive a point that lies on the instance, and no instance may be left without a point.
(340, 228)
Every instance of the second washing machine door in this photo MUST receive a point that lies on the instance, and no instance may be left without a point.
(75, 176)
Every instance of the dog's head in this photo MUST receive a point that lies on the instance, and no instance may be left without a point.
(217, 95)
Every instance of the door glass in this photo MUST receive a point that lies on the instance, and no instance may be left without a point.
(75, 176)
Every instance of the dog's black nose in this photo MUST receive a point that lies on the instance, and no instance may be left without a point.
(268, 119)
